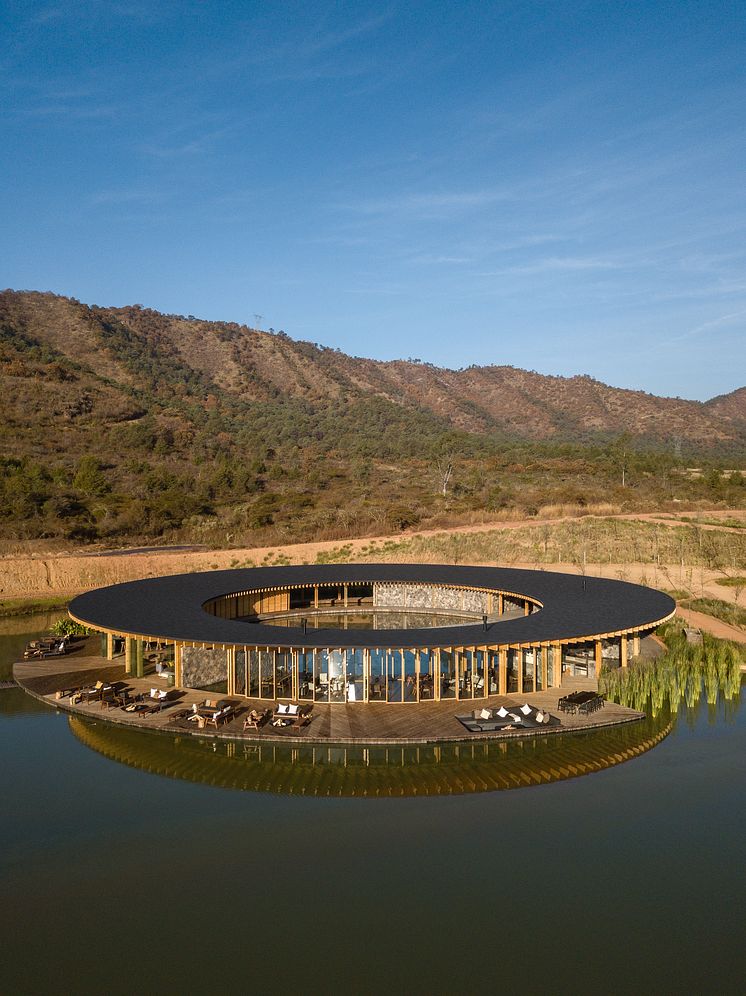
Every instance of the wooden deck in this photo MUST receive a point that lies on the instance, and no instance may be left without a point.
(352, 723)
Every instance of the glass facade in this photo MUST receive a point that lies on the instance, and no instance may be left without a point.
(391, 674)
(579, 659)
(513, 671)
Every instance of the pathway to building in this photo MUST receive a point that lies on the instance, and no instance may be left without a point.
(709, 624)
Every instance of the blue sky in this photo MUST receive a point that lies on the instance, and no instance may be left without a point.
(554, 185)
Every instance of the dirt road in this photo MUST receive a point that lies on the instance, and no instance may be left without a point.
(715, 627)
(37, 576)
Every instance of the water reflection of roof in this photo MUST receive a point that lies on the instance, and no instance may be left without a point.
(446, 769)
(572, 606)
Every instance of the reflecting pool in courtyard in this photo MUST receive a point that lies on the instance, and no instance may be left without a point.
(371, 619)
(131, 861)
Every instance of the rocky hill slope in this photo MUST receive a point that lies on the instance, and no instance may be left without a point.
(117, 351)
(125, 420)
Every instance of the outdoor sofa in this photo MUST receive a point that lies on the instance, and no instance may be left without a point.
(291, 714)
(506, 717)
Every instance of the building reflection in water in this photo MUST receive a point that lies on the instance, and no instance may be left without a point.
(324, 770)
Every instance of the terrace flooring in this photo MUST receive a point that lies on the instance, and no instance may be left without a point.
(361, 723)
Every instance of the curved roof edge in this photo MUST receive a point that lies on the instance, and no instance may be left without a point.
(573, 607)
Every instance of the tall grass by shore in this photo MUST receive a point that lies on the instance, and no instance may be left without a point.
(682, 675)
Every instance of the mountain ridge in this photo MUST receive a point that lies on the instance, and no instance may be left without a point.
(254, 365)
(127, 423)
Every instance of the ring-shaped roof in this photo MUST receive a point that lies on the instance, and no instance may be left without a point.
(573, 607)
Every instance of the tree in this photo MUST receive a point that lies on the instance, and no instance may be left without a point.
(619, 453)
(89, 478)
(444, 467)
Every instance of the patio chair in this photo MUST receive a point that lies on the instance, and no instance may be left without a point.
(256, 719)
(91, 694)
(303, 716)
(64, 693)
(291, 715)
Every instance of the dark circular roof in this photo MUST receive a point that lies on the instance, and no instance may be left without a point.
(573, 607)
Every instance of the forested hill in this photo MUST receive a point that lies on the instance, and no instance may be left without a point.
(133, 393)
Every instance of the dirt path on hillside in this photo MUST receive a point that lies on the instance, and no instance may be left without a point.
(37, 576)
(715, 627)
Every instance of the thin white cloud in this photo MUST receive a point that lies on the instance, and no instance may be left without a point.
(728, 319)
(556, 264)
(428, 204)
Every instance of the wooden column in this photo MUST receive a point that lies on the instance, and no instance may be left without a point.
(110, 646)
(599, 658)
(502, 676)
(623, 650)
(139, 659)
(557, 666)
(500, 603)
(519, 653)
(231, 671)
(177, 665)
(636, 645)
(315, 596)
(526, 608)
(128, 656)
(544, 667)
(346, 592)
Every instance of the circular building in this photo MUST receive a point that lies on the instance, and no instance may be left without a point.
(359, 633)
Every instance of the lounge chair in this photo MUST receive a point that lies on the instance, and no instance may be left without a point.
(255, 720)
(92, 694)
(116, 695)
(64, 693)
(223, 714)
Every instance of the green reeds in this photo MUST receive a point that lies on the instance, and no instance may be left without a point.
(684, 671)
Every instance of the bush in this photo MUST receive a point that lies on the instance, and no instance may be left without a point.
(68, 627)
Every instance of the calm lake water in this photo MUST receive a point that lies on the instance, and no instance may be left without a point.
(119, 880)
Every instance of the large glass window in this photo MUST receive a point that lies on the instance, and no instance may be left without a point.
(394, 676)
(529, 663)
(377, 675)
(321, 675)
(283, 674)
(539, 668)
(550, 667)
(465, 677)
(354, 673)
(305, 674)
(493, 684)
(427, 676)
(447, 675)
(410, 676)
(253, 675)
(513, 666)
(337, 677)
(241, 672)
(267, 674)
(479, 676)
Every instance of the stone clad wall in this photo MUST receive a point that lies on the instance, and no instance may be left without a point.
(423, 596)
(203, 668)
